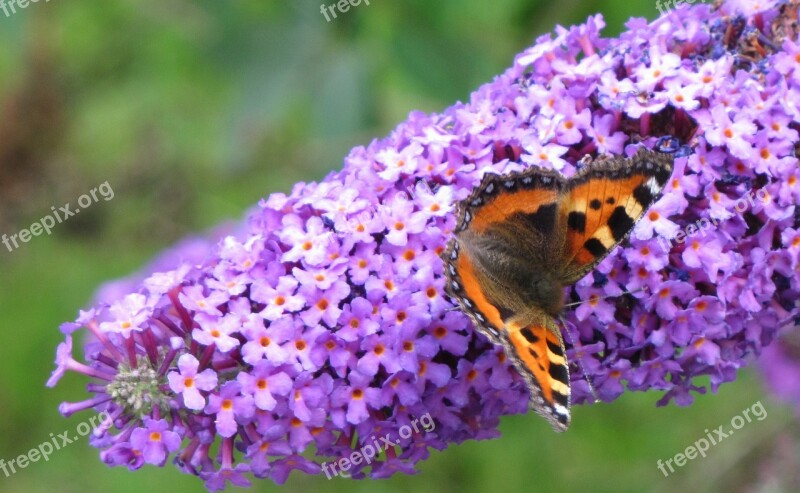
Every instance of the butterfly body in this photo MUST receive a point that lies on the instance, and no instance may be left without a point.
(521, 238)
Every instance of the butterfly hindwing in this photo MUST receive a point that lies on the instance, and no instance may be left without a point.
(603, 202)
(537, 350)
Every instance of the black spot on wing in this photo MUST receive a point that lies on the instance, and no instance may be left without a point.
(663, 173)
(529, 335)
(611, 200)
(543, 220)
(620, 223)
(559, 372)
(554, 348)
(560, 398)
(643, 195)
(536, 357)
(577, 221)
(595, 247)
(595, 204)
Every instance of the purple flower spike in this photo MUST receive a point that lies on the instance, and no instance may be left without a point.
(321, 325)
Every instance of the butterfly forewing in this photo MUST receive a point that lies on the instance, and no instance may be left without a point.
(603, 202)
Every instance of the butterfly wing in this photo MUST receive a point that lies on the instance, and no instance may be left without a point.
(537, 351)
(483, 262)
(603, 202)
(507, 238)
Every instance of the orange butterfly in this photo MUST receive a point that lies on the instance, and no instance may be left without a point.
(522, 237)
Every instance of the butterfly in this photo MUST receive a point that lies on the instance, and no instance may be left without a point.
(522, 237)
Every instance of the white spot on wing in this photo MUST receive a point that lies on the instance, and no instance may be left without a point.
(653, 185)
(559, 409)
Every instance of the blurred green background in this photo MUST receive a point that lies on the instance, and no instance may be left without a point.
(192, 111)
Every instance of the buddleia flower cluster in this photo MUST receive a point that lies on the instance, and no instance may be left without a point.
(322, 325)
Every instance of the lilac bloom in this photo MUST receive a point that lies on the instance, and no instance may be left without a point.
(354, 400)
(229, 405)
(396, 163)
(263, 383)
(401, 220)
(309, 240)
(193, 298)
(310, 396)
(735, 133)
(324, 305)
(258, 454)
(129, 315)
(281, 468)
(217, 331)
(218, 480)
(357, 320)
(266, 342)
(187, 382)
(156, 441)
(278, 299)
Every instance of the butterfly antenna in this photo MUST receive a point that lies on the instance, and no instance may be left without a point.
(605, 297)
(576, 343)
